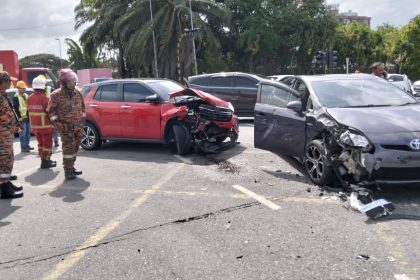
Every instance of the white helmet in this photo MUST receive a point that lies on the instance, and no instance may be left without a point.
(39, 83)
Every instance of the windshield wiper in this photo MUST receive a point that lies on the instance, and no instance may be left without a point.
(408, 103)
(368, 105)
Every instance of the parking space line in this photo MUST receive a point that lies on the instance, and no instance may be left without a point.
(63, 266)
(184, 159)
(395, 249)
(257, 197)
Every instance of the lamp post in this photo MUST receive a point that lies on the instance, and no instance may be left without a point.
(154, 42)
(59, 45)
(192, 28)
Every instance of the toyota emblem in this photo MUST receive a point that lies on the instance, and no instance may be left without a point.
(415, 144)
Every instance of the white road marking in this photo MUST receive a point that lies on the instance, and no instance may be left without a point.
(257, 197)
(184, 159)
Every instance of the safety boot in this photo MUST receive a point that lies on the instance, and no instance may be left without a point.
(69, 175)
(8, 191)
(47, 163)
(77, 172)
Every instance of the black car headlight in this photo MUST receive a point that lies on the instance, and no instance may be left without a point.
(354, 139)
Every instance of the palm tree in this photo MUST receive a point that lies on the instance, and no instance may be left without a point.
(170, 19)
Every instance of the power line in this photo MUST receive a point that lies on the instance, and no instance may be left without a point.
(36, 27)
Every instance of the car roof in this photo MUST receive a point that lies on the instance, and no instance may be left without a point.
(143, 80)
(226, 74)
(330, 77)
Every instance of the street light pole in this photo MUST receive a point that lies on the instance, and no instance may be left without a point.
(59, 45)
(192, 28)
(154, 42)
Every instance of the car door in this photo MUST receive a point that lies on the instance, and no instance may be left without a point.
(140, 119)
(246, 90)
(222, 86)
(278, 129)
(104, 109)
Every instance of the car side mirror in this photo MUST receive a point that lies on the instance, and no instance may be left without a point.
(152, 98)
(295, 106)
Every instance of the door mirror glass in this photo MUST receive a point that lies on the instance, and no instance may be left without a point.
(295, 106)
(152, 98)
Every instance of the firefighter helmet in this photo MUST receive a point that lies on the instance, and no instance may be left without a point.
(39, 83)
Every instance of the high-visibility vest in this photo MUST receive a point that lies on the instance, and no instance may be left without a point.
(37, 105)
(23, 109)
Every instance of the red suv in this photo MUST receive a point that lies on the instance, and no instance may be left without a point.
(157, 110)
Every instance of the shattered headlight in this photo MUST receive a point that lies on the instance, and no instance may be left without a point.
(354, 140)
(230, 106)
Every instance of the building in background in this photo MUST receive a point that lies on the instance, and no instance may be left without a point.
(348, 17)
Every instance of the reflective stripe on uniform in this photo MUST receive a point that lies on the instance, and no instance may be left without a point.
(42, 126)
(37, 114)
(47, 150)
(69, 156)
(4, 176)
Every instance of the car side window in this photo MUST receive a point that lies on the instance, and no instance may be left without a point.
(135, 92)
(222, 82)
(274, 96)
(203, 81)
(107, 93)
(244, 82)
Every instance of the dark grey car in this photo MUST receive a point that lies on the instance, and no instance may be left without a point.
(238, 88)
(351, 128)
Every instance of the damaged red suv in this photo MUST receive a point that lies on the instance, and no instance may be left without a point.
(157, 110)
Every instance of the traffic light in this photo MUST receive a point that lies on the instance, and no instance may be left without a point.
(332, 59)
(321, 58)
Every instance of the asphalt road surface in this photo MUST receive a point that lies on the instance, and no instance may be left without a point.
(139, 212)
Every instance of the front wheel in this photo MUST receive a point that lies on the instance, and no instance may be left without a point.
(316, 164)
(91, 139)
(180, 138)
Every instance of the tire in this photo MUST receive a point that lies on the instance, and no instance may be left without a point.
(181, 139)
(91, 139)
(319, 171)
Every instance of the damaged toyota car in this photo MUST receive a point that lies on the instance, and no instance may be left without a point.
(346, 129)
(157, 110)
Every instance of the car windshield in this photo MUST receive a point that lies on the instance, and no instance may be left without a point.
(164, 88)
(346, 93)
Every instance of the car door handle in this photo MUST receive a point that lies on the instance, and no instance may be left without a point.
(93, 105)
(125, 106)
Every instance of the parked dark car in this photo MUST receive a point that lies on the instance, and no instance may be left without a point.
(347, 128)
(157, 110)
(238, 88)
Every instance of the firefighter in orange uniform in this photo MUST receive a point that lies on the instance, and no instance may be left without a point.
(40, 123)
(8, 127)
(67, 112)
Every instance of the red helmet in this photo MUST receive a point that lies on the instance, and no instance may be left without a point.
(67, 75)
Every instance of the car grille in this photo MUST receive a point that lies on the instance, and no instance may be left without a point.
(401, 174)
(397, 147)
(213, 113)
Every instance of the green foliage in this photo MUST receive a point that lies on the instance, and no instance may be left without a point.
(43, 60)
(261, 36)
(80, 58)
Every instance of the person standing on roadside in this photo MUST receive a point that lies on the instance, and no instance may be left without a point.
(48, 94)
(8, 127)
(41, 125)
(20, 104)
(378, 69)
(66, 110)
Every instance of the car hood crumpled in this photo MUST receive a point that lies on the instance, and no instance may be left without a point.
(208, 98)
(379, 120)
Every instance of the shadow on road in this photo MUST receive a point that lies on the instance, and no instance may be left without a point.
(42, 176)
(6, 209)
(71, 191)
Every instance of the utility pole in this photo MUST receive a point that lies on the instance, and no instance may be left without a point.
(59, 46)
(154, 41)
(193, 42)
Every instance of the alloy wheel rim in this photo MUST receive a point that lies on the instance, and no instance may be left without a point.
(314, 163)
(88, 138)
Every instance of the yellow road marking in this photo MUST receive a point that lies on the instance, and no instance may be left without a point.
(395, 248)
(94, 240)
(257, 197)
